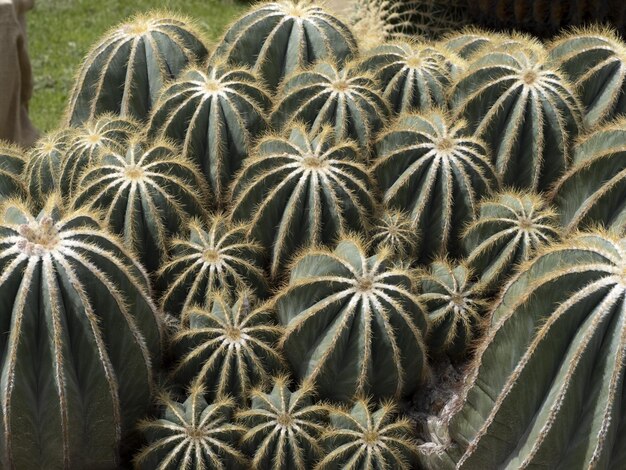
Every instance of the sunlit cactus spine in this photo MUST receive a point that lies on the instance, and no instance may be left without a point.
(414, 77)
(595, 61)
(508, 231)
(192, 435)
(229, 349)
(283, 427)
(300, 190)
(215, 256)
(593, 190)
(215, 114)
(12, 163)
(124, 73)
(393, 230)
(347, 99)
(81, 337)
(86, 143)
(146, 192)
(278, 38)
(368, 437)
(430, 167)
(352, 323)
(525, 110)
(455, 307)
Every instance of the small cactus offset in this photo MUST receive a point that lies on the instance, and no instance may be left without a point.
(393, 230)
(215, 114)
(352, 324)
(509, 230)
(146, 192)
(192, 435)
(229, 349)
(430, 167)
(346, 99)
(12, 163)
(302, 190)
(283, 427)
(523, 108)
(276, 39)
(80, 339)
(124, 73)
(368, 437)
(215, 256)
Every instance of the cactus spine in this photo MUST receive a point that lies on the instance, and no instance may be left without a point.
(393, 230)
(12, 163)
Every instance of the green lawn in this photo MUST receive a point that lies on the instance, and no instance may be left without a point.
(62, 31)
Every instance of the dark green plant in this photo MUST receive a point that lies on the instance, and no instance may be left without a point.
(12, 163)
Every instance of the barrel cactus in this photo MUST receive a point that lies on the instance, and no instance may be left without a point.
(301, 190)
(455, 307)
(283, 427)
(594, 60)
(546, 387)
(80, 339)
(393, 229)
(368, 438)
(215, 256)
(276, 39)
(509, 230)
(347, 99)
(192, 435)
(215, 114)
(352, 324)
(12, 163)
(430, 167)
(125, 71)
(414, 76)
(229, 349)
(524, 109)
(593, 190)
(86, 143)
(146, 192)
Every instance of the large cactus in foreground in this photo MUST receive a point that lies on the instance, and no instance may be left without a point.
(276, 39)
(347, 99)
(352, 324)
(524, 109)
(593, 191)
(547, 386)
(12, 163)
(146, 192)
(215, 114)
(430, 167)
(80, 337)
(302, 190)
(125, 71)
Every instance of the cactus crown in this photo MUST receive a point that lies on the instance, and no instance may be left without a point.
(395, 231)
(43, 166)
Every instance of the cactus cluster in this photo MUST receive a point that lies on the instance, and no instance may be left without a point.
(300, 253)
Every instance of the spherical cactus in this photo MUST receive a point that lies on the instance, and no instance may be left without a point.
(228, 350)
(302, 190)
(414, 76)
(594, 60)
(215, 256)
(215, 114)
(125, 71)
(80, 339)
(431, 168)
(468, 41)
(455, 307)
(43, 166)
(146, 194)
(509, 229)
(592, 191)
(393, 229)
(12, 163)
(192, 435)
(283, 427)
(524, 109)
(352, 324)
(368, 438)
(546, 387)
(279, 38)
(84, 146)
(346, 98)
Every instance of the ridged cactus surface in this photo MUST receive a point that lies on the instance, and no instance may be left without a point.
(80, 337)
(12, 163)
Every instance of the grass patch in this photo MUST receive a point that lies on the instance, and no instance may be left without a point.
(61, 32)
